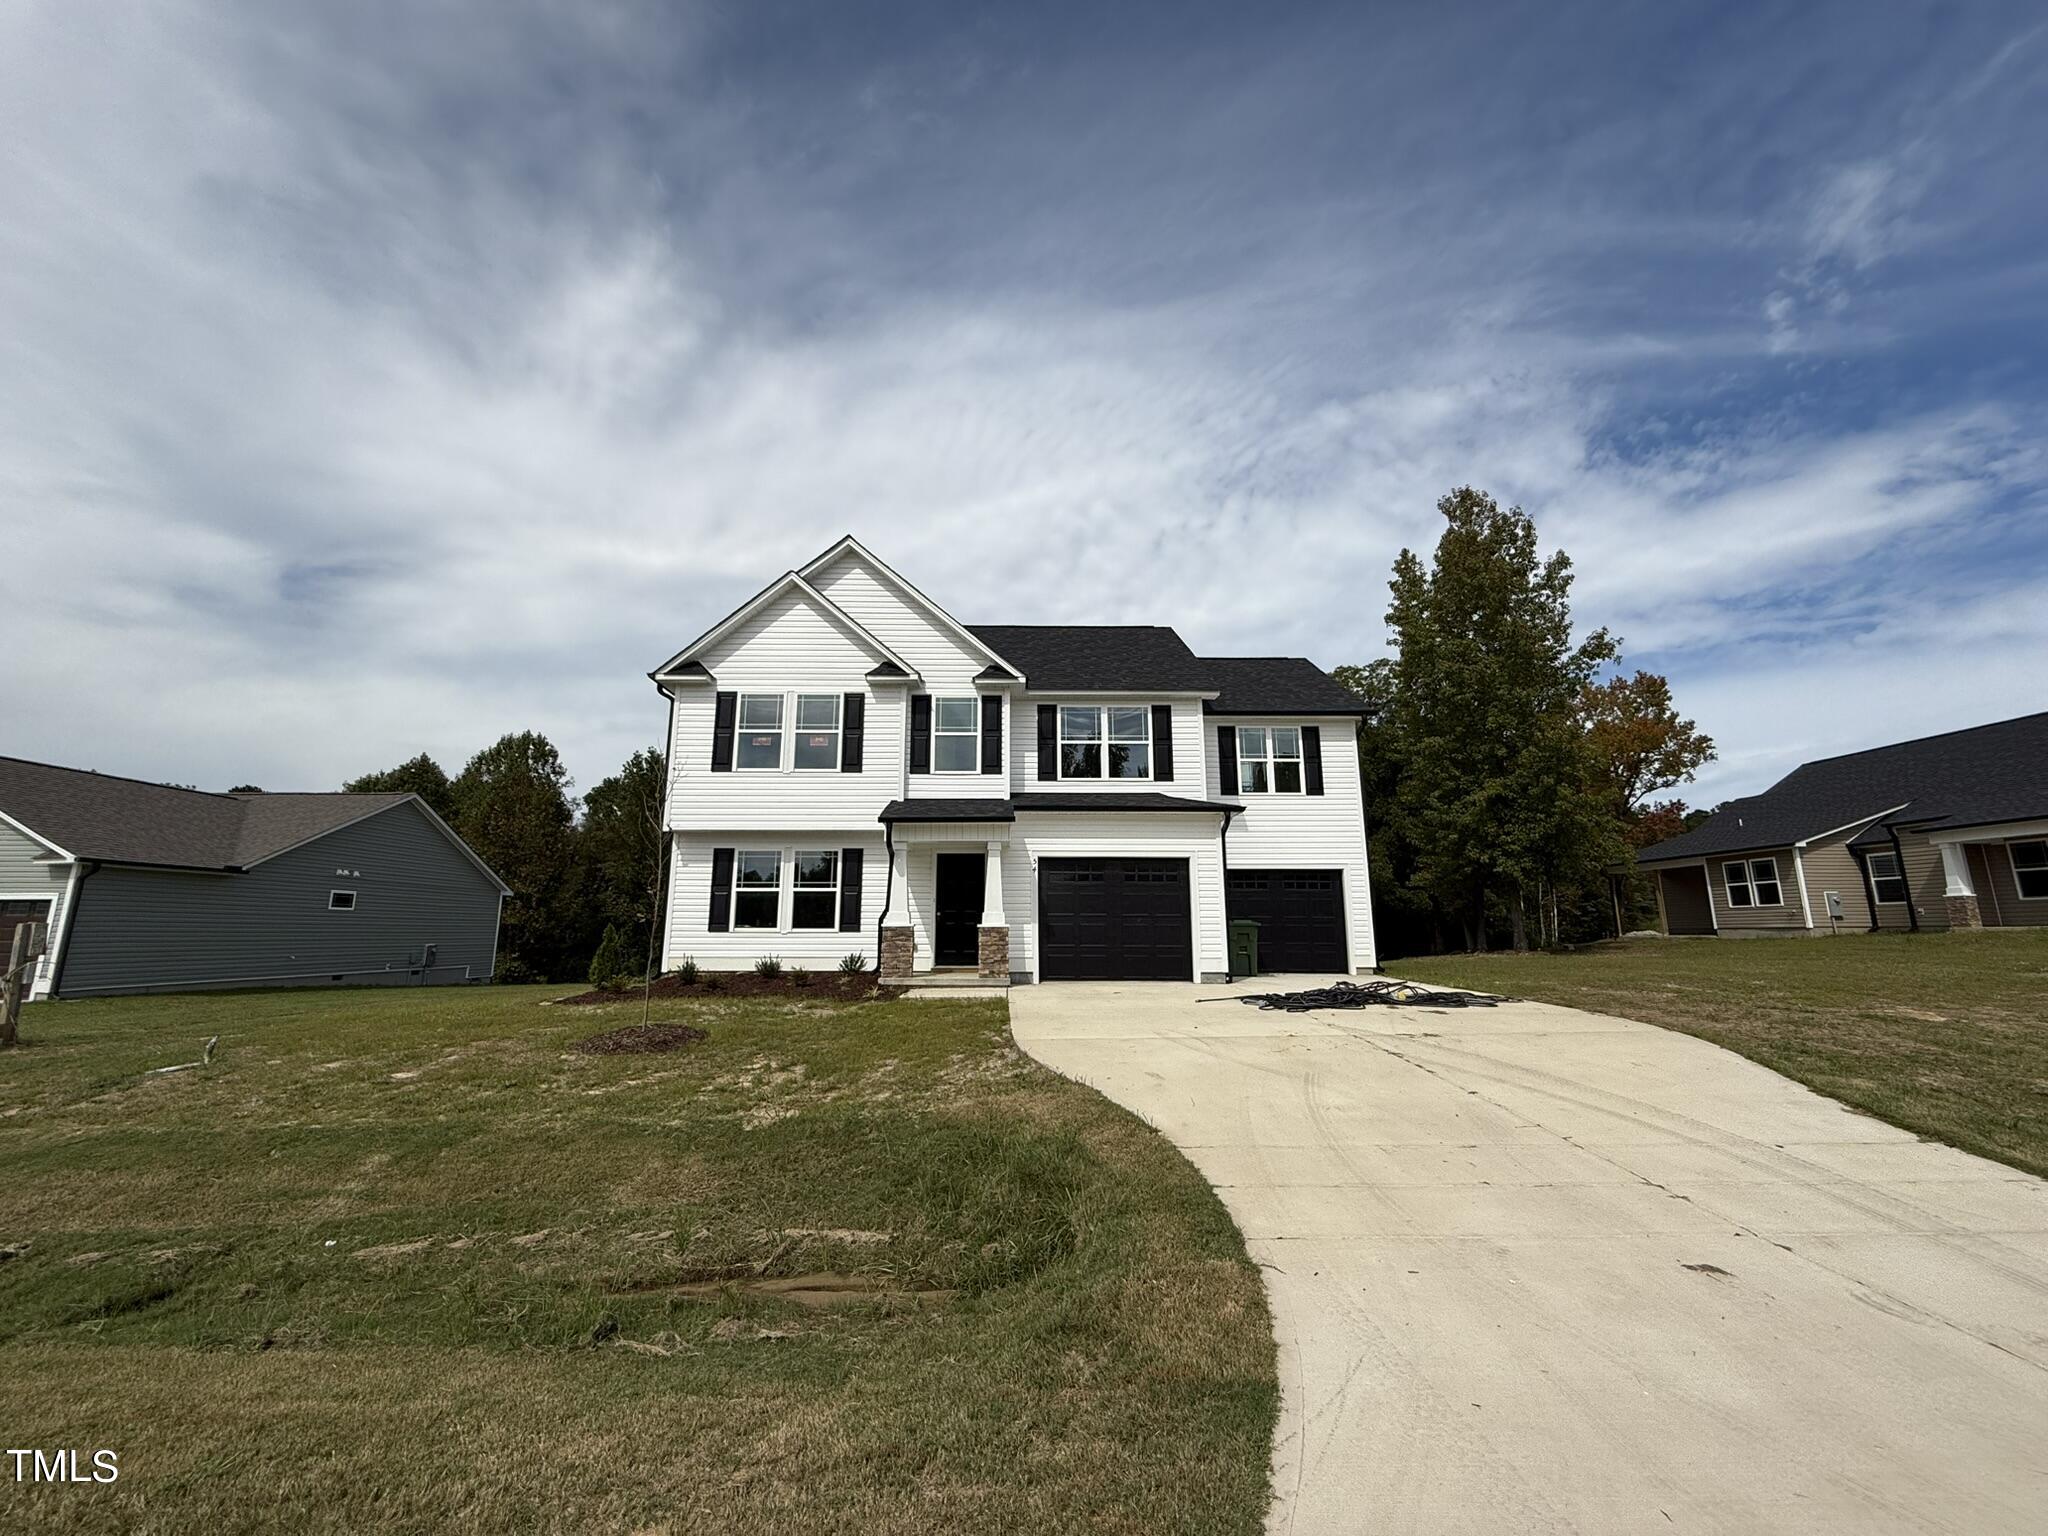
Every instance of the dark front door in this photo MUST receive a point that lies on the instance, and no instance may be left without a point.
(1300, 913)
(956, 935)
(1115, 920)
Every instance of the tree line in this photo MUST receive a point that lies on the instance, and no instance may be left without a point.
(583, 875)
(1510, 769)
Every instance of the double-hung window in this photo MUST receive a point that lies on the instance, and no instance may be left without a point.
(1886, 880)
(1105, 742)
(1753, 883)
(759, 742)
(2030, 869)
(1269, 760)
(817, 730)
(956, 735)
(814, 900)
(756, 889)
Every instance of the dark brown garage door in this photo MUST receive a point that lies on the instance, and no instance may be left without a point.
(1114, 920)
(1300, 913)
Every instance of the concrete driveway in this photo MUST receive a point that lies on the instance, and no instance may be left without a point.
(1539, 1270)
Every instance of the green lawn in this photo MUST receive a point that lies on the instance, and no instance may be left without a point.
(1943, 1034)
(401, 1259)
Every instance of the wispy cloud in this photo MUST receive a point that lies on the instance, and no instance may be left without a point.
(382, 378)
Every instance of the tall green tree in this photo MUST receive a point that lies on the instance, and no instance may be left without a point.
(621, 847)
(420, 776)
(512, 805)
(1496, 790)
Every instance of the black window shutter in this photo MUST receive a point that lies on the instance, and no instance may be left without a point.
(849, 890)
(1162, 741)
(1312, 758)
(1226, 759)
(853, 721)
(992, 733)
(1048, 741)
(721, 890)
(920, 733)
(723, 714)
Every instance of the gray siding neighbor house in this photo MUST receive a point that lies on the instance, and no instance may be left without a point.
(151, 888)
(1949, 831)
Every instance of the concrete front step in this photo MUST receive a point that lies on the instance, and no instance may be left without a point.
(954, 994)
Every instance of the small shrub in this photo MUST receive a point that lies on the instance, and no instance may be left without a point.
(768, 967)
(511, 971)
(686, 973)
(853, 964)
(611, 968)
(799, 977)
(713, 982)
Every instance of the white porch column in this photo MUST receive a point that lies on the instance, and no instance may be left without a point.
(1955, 868)
(992, 914)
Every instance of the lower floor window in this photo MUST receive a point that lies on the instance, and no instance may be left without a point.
(815, 902)
(1886, 880)
(756, 889)
(1753, 883)
(2030, 869)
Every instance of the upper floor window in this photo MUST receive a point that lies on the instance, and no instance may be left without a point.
(1269, 760)
(1753, 884)
(341, 901)
(2030, 869)
(756, 889)
(759, 743)
(956, 735)
(1105, 742)
(817, 730)
(1885, 879)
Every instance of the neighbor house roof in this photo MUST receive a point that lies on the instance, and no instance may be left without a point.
(115, 820)
(1988, 773)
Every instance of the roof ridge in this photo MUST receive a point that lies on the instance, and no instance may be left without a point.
(1914, 741)
(125, 778)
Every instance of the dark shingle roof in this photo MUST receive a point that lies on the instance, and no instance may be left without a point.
(1008, 810)
(1277, 685)
(1151, 658)
(1988, 773)
(946, 810)
(1111, 800)
(131, 821)
(1097, 658)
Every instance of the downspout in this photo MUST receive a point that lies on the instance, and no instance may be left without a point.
(92, 867)
(888, 887)
(1870, 885)
(1912, 908)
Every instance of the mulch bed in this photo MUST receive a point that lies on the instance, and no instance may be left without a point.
(638, 1039)
(824, 986)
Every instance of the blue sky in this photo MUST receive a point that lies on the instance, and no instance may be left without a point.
(385, 377)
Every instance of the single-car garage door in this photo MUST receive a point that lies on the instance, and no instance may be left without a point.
(1300, 913)
(1114, 920)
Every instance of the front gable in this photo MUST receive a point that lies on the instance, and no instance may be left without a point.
(788, 605)
(937, 646)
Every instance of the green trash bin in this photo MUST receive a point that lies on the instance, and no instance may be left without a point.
(1244, 947)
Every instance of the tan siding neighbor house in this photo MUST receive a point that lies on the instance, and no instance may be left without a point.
(1945, 832)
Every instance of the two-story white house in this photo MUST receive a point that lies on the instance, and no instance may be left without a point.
(851, 768)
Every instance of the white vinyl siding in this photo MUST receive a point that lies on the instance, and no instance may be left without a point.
(947, 667)
(27, 874)
(791, 651)
(688, 930)
(1326, 831)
